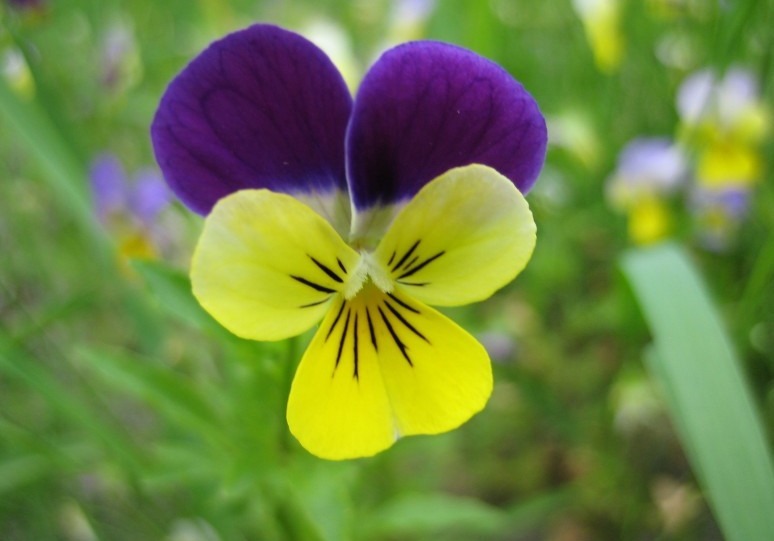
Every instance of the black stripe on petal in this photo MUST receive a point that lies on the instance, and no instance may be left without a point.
(403, 259)
(398, 342)
(316, 287)
(335, 321)
(332, 275)
(403, 320)
(341, 266)
(342, 339)
(316, 303)
(421, 266)
(403, 304)
(354, 347)
(411, 261)
(371, 329)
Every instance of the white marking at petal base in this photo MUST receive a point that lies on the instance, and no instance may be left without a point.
(333, 206)
(369, 225)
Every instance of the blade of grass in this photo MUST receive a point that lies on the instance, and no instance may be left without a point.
(56, 162)
(707, 395)
(16, 364)
(432, 514)
(171, 394)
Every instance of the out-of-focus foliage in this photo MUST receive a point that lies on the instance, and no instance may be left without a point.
(126, 412)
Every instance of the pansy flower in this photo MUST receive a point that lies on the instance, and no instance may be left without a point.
(648, 171)
(357, 215)
(724, 121)
(128, 206)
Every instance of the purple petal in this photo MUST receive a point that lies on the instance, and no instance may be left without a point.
(148, 196)
(261, 108)
(733, 202)
(694, 95)
(737, 93)
(426, 107)
(652, 162)
(108, 184)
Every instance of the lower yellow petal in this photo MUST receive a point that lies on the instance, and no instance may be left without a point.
(267, 266)
(338, 406)
(465, 234)
(382, 366)
(437, 375)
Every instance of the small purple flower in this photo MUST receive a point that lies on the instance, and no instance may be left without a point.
(723, 101)
(140, 197)
(654, 162)
(108, 185)
(501, 346)
(719, 213)
(648, 170)
(726, 122)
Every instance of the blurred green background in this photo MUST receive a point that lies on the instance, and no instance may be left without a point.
(634, 394)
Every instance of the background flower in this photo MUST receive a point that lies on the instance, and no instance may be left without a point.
(129, 206)
(648, 172)
(724, 122)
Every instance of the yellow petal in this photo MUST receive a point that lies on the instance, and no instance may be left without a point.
(267, 266)
(465, 235)
(338, 406)
(437, 375)
(728, 163)
(649, 220)
(383, 366)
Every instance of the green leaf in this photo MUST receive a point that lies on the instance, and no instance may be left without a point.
(437, 514)
(528, 514)
(706, 392)
(428, 514)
